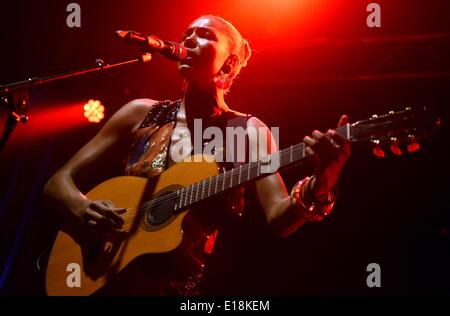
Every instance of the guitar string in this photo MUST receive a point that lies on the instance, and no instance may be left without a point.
(175, 195)
(282, 153)
(129, 220)
(221, 176)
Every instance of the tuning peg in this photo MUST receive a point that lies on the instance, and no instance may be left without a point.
(413, 144)
(395, 149)
(374, 116)
(377, 150)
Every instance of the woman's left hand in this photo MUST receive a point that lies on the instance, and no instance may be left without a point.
(330, 151)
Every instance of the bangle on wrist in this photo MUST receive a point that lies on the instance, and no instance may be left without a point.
(314, 211)
(328, 198)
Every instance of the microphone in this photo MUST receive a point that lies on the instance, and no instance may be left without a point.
(153, 44)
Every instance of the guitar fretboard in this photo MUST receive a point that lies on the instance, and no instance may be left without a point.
(244, 173)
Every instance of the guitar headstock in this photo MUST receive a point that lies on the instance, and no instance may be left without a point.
(396, 130)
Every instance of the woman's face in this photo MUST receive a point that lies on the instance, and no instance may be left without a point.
(208, 49)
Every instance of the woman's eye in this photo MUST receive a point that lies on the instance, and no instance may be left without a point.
(208, 35)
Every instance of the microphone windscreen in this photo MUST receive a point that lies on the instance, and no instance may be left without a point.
(180, 51)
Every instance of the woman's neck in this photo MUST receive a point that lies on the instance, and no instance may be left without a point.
(203, 104)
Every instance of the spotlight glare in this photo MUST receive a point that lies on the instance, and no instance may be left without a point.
(94, 111)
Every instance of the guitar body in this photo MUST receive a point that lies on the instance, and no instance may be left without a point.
(81, 264)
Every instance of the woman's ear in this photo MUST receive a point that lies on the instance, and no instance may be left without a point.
(230, 64)
(226, 69)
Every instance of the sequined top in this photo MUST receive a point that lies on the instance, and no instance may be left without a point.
(148, 154)
(163, 127)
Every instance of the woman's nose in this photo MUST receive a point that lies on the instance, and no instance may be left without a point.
(190, 42)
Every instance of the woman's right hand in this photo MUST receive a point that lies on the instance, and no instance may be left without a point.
(101, 216)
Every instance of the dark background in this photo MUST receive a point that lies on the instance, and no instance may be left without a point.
(312, 61)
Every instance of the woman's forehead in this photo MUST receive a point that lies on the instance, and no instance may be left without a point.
(207, 22)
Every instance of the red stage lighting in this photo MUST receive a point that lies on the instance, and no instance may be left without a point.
(94, 111)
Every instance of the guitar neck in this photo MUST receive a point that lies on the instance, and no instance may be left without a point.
(247, 172)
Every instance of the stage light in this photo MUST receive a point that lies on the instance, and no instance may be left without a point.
(94, 111)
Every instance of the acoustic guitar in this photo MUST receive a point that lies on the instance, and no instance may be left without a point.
(80, 264)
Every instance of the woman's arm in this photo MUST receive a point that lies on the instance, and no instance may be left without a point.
(283, 216)
(61, 193)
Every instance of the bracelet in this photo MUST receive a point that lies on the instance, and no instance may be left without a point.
(314, 211)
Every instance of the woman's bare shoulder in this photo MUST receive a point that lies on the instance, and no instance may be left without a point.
(130, 115)
(139, 105)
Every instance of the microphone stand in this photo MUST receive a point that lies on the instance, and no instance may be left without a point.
(15, 95)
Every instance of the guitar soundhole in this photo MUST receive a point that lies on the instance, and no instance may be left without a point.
(159, 213)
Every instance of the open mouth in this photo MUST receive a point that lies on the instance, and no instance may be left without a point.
(188, 61)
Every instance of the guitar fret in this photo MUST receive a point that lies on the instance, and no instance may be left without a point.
(203, 188)
(190, 191)
(239, 179)
(231, 178)
(248, 172)
(257, 168)
(183, 194)
(215, 189)
(209, 186)
(290, 156)
(223, 182)
(175, 206)
(196, 192)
